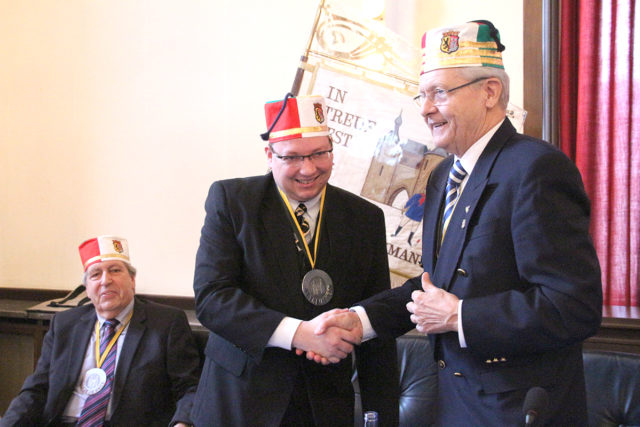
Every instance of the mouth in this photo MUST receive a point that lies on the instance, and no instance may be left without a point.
(108, 294)
(307, 181)
(436, 125)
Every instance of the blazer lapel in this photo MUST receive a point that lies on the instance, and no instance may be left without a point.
(80, 336)
(132, 339)
(331, 239)
(456, 236)
(282, 250)
(431, 224)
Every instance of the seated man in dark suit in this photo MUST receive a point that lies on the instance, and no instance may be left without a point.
(122, 361)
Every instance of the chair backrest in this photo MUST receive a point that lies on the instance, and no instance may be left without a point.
(613, 388)
(418, 382)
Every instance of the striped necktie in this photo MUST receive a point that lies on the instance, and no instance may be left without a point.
(95, 407)
(456, 175)
(304, 224)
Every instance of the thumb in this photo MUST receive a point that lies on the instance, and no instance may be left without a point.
(320, 329)
(426, 281)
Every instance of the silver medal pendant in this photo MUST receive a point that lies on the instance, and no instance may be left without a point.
(317, 287)
(94, 380)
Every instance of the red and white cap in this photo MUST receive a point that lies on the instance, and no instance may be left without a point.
(104, 248)
(300, 117)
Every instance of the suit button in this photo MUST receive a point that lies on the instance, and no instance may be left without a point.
(441, 364)
(462, 272)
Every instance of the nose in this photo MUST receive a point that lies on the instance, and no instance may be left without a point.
(428, 106)
(106, 278)
(307, 166)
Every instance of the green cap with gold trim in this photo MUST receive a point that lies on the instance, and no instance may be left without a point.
(473, 44)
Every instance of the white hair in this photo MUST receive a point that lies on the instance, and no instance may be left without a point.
(472, 73)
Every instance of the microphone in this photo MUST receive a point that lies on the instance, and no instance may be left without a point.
(535, 403)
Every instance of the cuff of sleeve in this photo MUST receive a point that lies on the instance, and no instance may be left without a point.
(463, 342)
(283, 335)
(367, 330)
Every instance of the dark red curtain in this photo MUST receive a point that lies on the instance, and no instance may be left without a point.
(600, 130)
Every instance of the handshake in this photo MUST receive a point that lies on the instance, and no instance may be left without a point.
(329, 337)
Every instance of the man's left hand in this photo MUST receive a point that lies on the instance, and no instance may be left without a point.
(434, 310)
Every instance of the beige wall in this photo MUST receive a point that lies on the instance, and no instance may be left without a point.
(115, 117)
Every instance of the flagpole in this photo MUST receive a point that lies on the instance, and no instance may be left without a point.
(297, 81)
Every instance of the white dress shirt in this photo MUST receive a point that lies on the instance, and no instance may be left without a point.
(76, 402)
(283, 335)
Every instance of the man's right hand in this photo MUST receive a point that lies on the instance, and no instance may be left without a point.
(339, 321)
(329, 337)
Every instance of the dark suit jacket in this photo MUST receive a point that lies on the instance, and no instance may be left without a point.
(156, 376)
(248, 278)
(518, 252)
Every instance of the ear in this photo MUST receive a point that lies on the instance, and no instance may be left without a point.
(493, 89)
(269, 154)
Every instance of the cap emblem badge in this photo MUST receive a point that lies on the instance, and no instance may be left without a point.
(117, 245)
(449, 42)
(317, 108)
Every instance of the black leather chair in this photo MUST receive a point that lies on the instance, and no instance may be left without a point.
(418, 382)
(613, 388)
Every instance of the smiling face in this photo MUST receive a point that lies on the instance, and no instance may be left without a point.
(305, 179)
(110, 286)
(459, 119)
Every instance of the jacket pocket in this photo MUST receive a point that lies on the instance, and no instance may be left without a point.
(226, 354)
(505, 379)
(486, 228)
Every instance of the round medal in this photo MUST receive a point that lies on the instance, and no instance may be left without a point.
(317, 287)
(94, 380)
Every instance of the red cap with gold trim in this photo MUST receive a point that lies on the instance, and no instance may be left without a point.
(104, 248)
(300, 117)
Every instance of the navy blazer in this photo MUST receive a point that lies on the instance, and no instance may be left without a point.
(519, 254)
(248, 278)
(156, 375)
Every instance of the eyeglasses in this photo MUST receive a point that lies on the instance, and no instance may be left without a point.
(438, 95)
(317, 157)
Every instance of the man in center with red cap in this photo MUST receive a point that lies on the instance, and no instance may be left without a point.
(276, 251)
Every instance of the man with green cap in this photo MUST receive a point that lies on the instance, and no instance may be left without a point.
(511, 284)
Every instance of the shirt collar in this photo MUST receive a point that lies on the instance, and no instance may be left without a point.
(471, 156)
(310, 204)
(121, 316)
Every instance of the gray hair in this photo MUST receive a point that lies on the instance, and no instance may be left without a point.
(472, 73)
(130, 268)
